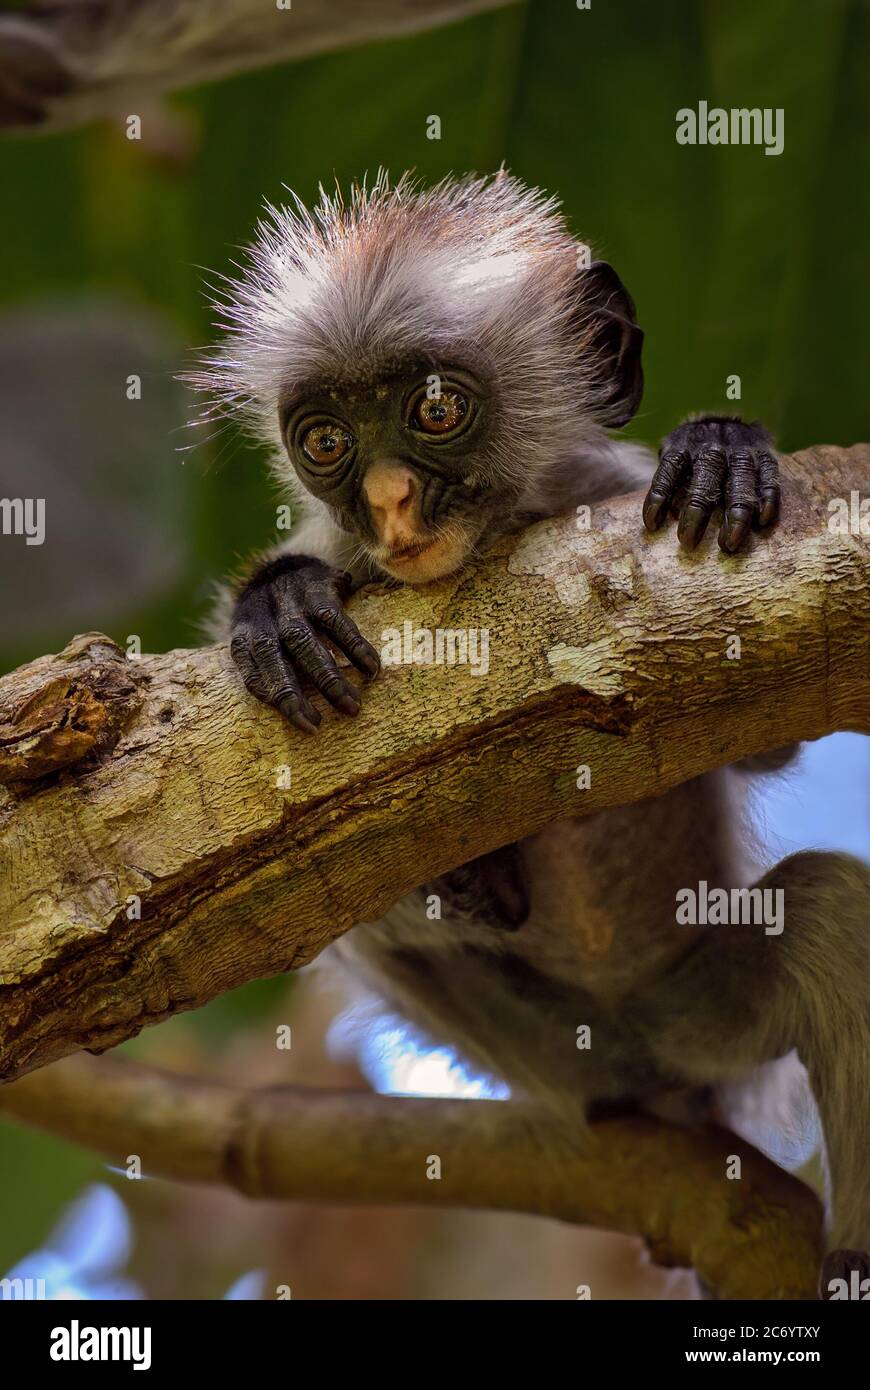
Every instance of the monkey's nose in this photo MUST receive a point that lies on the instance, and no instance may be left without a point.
(390, 490)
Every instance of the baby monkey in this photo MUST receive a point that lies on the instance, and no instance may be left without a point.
(436, 368)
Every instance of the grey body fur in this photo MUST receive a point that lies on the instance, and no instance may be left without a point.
(486, 272)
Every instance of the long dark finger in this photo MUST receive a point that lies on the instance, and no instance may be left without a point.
(703, 494)
(268, 675)
(348, 637)
(666, 480)
(768, 487)
(315, 660)
(741, 500)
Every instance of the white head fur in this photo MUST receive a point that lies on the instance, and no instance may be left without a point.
(475, 270)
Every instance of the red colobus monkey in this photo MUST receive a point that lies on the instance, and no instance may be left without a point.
(434, 369)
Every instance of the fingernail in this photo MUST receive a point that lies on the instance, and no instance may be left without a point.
(693, 523)
(732, 536)
(307, 718)
(348, 705)
(768, 512)
(653, 511)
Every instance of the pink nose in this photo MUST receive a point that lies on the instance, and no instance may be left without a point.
(390, 490)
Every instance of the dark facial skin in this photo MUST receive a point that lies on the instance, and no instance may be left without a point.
(431, 423)
(401, 464)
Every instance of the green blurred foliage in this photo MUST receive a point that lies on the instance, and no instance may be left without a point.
(38, 1177)
(739, 262)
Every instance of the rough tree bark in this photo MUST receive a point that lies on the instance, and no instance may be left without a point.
(160, 782)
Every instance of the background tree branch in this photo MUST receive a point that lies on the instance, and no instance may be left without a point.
(65, 62)
(759, 1237)
(160, 784)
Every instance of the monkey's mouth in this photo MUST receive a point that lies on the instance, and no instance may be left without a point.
(416, 562)
(408, 552)
(429, 556)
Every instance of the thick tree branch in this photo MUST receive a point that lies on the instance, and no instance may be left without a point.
(161, 783)
(757, 1237)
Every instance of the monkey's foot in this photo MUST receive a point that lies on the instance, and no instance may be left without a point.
(845, 1274)
(284, 620)
(491, 889)
(715, 462)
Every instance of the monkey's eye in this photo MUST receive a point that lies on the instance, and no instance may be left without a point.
(439, 414)
(326, 443)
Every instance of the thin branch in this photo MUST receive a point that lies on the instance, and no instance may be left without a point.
(757, 1237)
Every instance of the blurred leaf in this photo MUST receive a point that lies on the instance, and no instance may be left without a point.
(39, 1175)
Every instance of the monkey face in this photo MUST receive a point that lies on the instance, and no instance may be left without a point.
(437, 363)
(401, 462)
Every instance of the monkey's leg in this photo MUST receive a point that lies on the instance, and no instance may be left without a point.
(741, 997)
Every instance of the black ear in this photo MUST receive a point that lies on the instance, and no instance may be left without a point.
(609, 315)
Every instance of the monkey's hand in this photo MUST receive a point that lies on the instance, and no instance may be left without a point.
(716, 461)
(281, 622)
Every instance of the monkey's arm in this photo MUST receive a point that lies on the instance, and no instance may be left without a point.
(64, 62)
(719, 461)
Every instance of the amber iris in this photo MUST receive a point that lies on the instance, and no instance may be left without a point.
(326, 443)
(440, 414)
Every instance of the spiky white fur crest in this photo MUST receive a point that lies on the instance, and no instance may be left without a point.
(475, 271)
